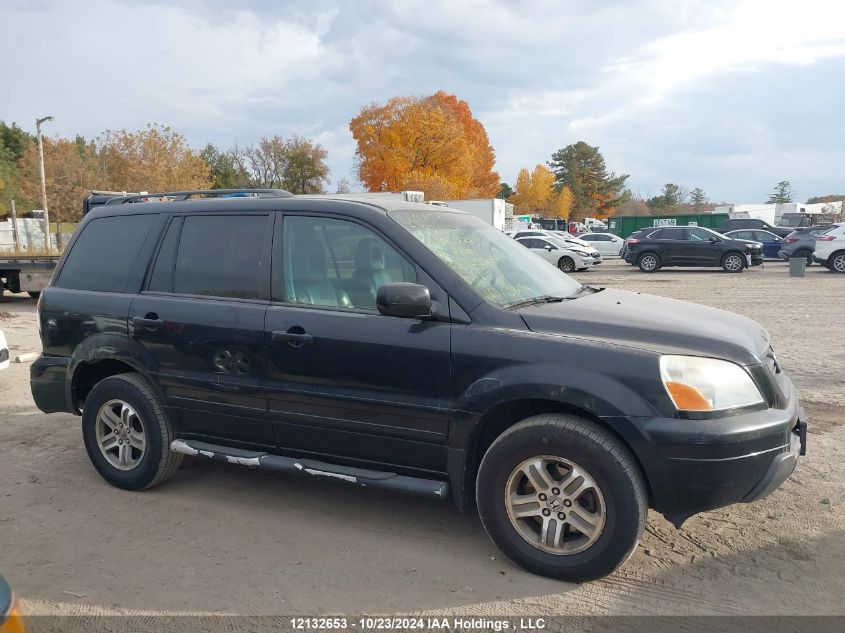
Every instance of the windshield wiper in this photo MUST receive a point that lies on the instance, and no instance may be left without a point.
(535, 301)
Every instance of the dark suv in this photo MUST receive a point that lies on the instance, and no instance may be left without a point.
(691, 246)
(754, 224)
(412, 348)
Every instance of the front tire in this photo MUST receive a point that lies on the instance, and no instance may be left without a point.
(127, 434)
(562, 497)
(733, 263)
(566, 264)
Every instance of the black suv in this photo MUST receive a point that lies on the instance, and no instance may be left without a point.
(754, 224)
(691, 246)
(413, 348)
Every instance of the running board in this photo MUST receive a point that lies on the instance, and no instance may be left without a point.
(359, 476)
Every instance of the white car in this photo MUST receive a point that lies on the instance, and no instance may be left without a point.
(4, 352)
(563, 235)
(604, 243)
(566, 256)
(830, 248)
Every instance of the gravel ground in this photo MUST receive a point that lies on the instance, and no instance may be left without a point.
(226, 539)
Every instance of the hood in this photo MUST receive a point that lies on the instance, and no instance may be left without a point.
(665, 326)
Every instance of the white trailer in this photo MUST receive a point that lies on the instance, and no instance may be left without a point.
(765, 212)
(494, 211)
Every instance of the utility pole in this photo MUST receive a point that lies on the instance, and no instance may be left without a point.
(47, 241)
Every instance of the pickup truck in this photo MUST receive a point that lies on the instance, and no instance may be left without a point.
(26, 273)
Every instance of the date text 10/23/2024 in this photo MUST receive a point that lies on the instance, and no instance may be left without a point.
(365, 623)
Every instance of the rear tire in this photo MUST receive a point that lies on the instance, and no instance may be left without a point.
(127, 434)
(566, 264)
(649, 262)
(591, 499)
(733, 263)
(808, 255)
(34, 295)
(836, 262)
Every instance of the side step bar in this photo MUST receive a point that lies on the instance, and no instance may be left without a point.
(360, 476)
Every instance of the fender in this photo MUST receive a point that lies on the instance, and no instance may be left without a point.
(109, 346)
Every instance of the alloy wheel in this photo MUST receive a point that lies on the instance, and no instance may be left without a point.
(555, 505)
(733, 263)
(120, 435)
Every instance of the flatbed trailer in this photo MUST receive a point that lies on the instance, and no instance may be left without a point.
(26, 273)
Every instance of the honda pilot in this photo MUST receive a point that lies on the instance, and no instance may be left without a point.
(412, 348)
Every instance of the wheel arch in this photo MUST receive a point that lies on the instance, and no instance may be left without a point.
(504, 415)
(101, 356)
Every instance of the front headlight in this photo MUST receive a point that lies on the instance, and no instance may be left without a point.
(707, 384)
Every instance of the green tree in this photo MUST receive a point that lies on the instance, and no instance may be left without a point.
(505, 191)
(296, 164)
(670, 197)
(698, 198)
(782, 193)
(596, 192)
(14, 143)
(225, 173)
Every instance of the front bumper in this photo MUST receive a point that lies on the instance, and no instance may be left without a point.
(698, 465)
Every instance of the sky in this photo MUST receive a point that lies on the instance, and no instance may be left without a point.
(731, 97)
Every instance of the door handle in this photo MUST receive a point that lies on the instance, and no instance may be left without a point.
(295, 336)
(150, 321)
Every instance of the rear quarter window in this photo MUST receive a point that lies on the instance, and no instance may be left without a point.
(104, 254)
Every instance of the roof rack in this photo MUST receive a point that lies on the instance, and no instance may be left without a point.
(175, 196)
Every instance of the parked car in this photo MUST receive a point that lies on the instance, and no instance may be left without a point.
(566, 256)
(607, 244)
(11, 620)
(413, 348)
(830, 248)
(754, 224)
(802, 242)
(633, 236)
(771, 242)
(4, 351)
(571, 239)
(691, 246)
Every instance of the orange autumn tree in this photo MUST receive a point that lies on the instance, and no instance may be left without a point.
(431, 144)
(535, 194)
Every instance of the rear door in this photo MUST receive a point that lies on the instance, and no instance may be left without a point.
(670, 245)
(201, 318)
(343, 380)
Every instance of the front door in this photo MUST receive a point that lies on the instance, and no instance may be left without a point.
(201, 319)
(344, 380)
(701, 249)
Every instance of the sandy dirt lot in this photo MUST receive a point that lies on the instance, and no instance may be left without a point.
(227, 539)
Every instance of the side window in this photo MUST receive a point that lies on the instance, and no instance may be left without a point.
(338, 263)
(601, 238)
(221, 256)
(672, 234)
(161, 279)
(104, 255)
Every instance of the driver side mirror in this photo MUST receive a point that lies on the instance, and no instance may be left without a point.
(713, 240)
(404, 300)
(549, 247)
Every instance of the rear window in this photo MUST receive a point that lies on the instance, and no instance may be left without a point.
(104, 254)
(220, 256)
